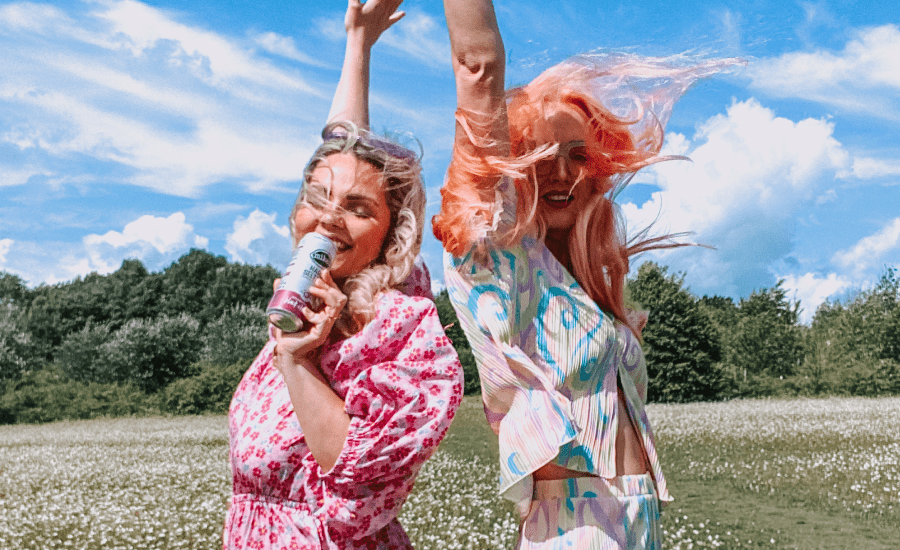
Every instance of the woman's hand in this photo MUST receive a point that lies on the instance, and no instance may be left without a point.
(372, 18)
(301, 347)
(319, 410)
(364, 23)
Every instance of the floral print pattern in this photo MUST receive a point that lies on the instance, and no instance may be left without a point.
(401, 383)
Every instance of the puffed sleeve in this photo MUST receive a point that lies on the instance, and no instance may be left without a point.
(418, 282)
(401, 403)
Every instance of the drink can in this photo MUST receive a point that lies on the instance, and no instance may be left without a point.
(313, 254)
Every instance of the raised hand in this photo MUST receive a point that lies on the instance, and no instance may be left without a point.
(371, 18)
(364, 23)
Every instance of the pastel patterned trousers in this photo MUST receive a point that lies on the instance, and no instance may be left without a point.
(593, 513)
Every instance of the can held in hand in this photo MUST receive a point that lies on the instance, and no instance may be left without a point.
(313, 254)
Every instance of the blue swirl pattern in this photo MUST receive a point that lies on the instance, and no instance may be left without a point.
(550, 362)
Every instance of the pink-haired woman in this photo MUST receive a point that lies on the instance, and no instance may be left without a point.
(535, 266)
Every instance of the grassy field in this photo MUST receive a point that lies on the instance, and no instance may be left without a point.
(776, 474)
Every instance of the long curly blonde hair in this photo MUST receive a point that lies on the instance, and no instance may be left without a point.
(405, 197)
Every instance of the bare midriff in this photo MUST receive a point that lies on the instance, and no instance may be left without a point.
(630, 456)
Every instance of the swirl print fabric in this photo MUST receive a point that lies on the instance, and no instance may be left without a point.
(550, 362)
(593, 513)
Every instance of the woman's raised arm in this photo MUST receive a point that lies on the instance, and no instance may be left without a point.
(478, 64)
(364, 23)
(482, 132)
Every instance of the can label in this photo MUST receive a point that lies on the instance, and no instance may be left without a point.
(313, 254)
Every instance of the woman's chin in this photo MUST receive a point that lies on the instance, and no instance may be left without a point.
(558, 222)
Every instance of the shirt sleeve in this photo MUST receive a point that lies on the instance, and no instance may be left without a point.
(496, 299)
(632, 363)
(400, 406)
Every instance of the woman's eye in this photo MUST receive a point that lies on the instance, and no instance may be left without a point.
(315, 197)
(578, 154)
(360, 212)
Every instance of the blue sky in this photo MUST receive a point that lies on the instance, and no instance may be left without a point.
(140, 130)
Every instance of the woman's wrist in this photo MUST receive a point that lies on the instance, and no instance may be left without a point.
(293, 364)
(357, 42)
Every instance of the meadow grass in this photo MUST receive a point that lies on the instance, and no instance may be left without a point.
(776, 474)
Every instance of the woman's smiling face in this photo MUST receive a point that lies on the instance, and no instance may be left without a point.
(345, 201)
(562, 189)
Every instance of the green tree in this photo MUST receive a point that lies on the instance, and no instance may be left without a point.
(680, 342)
(151, 353)
(13, 290)
(235, 337)
(185, 282)
(209, 391)
(724, 315)
(237, 285)
(133, 293)
(862, 335)
(47, 395)
(822, 353)
(59, 310)
(54, 312)
(767, 339)
(79, 356)
(455, 333)
(15, 343)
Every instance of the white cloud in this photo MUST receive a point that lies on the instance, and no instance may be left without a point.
(285, 47)
(5, 245)
(868, 168)
(71, 268)
(170, 107)
(31, 17)
(173, 164)
(139, 27)
(751, 174)
(869, 252)
(259, 240)
(863, 78)
(421, 37)
(10, 177)
(812, 290)
(437, 286)
(156, 241)
(418, 36)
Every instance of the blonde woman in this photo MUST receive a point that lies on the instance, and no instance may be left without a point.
(330, 425)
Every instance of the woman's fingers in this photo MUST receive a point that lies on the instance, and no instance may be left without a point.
(327, 290)
(319, 322)
(377, 15)
(396, 16)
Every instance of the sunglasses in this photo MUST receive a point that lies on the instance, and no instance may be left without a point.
(573, 151)
(371, 141)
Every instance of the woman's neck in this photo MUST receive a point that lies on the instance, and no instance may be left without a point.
(557, 242)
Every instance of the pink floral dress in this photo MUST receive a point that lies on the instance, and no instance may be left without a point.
(401, 383)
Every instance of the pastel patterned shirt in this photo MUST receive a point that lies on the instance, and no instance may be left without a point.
(549, 361)
(401, 383)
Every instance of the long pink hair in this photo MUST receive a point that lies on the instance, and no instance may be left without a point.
(625, 102)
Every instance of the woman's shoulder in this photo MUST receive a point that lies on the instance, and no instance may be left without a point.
(490, 256)
(395, 304)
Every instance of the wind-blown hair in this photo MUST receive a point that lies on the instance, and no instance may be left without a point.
(624, 102)
(405, 196)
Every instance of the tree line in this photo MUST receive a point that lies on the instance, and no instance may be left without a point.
(178, 341)
(711, 348)
(131, 342)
